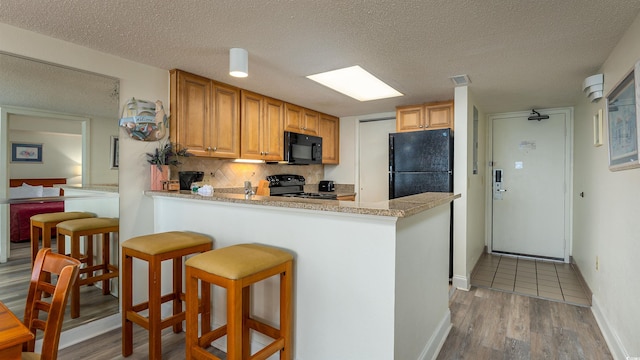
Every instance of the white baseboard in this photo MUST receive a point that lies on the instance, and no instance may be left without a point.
(616, 347)
(461, 282)
(86, 331)
(433, 346)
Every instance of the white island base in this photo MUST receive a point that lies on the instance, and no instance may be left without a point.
(365, 286)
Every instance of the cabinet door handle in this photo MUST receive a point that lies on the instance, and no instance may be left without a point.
(215, 148)
(420, 126)
(209, 148)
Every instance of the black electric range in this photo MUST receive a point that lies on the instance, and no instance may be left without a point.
(293, 186)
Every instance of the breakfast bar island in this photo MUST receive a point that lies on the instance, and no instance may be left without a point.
(370, 279)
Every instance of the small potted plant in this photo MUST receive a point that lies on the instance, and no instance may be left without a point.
(163, 156)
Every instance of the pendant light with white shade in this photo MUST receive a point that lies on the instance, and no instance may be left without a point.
(238, 62)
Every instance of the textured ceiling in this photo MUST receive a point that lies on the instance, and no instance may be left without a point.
(519, 54)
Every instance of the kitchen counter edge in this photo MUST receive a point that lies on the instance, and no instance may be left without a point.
(401, 207)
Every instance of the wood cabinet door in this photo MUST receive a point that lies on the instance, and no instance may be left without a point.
(250, 123)
(310, 122)
(329, 130)
(191, 104)
(272, 130)
(439, 115)
(409, 118)
(293, 117)
(225, 137)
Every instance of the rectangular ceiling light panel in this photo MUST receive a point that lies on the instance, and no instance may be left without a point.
(355, 82)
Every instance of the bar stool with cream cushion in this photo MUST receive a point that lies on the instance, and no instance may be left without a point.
(236, 268)
(89, 227)
(154, 249)
(42, 224)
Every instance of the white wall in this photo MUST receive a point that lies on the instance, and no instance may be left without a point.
(606, 223)
(61, 147)
(468, 211)
(136, 80)
(61, 156)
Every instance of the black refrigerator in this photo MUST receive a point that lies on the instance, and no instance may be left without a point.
(422, 161)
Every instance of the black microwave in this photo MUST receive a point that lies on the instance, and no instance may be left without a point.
(300, 149)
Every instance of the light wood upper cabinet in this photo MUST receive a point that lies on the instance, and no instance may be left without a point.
(191, 112)
(310, 121)
(225, 122)
(410, 118)
(329, 130)
(429, 116)
(261, 125)
(300, 120)
(439, 115)
(217, 120)
(205, 116)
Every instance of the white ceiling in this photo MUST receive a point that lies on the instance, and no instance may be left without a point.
(519, 54)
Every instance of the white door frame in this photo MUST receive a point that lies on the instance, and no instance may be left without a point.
(5, 111)
(568, 216)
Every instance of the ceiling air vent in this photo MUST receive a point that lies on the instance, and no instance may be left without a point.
(461, 80)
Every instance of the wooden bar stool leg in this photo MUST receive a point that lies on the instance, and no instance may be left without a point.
(286, 311)
(36, 232)
(75, 292)
(246, 309)
(205, 309)
(127, 303)
(177, 291)
(192, 316)
(234, 320)
(155, 282)
(106, 288)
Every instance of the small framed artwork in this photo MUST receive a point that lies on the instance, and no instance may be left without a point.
(115, 152)
(623, 108)
(597, 128)
(26, 153)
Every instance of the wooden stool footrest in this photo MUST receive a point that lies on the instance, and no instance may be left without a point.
(202, 354)
(172, 320)
(206, 339)
(137, 319)
(269, 350)
(263, 328)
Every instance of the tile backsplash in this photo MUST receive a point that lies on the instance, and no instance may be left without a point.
(223, 173)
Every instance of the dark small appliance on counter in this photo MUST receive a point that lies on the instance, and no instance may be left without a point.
(189, 177)
(326, 185)
(293, 186)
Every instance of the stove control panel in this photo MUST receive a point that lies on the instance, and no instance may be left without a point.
(285, 180)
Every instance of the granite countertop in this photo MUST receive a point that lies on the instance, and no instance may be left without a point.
(401, 207)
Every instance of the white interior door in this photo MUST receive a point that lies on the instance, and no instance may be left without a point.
(374, 159)
(530, 177)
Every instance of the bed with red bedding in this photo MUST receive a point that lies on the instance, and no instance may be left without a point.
(20, 214)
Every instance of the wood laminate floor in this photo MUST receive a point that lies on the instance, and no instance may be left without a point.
(487, 324)
(14, 284)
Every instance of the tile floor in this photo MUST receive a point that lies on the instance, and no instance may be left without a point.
(543, 279)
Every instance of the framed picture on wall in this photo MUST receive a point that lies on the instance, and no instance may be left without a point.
(623, 108)
(115, 152)
(26, 153)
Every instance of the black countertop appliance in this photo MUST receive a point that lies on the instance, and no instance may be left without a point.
(326, 185)
(189, 177)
